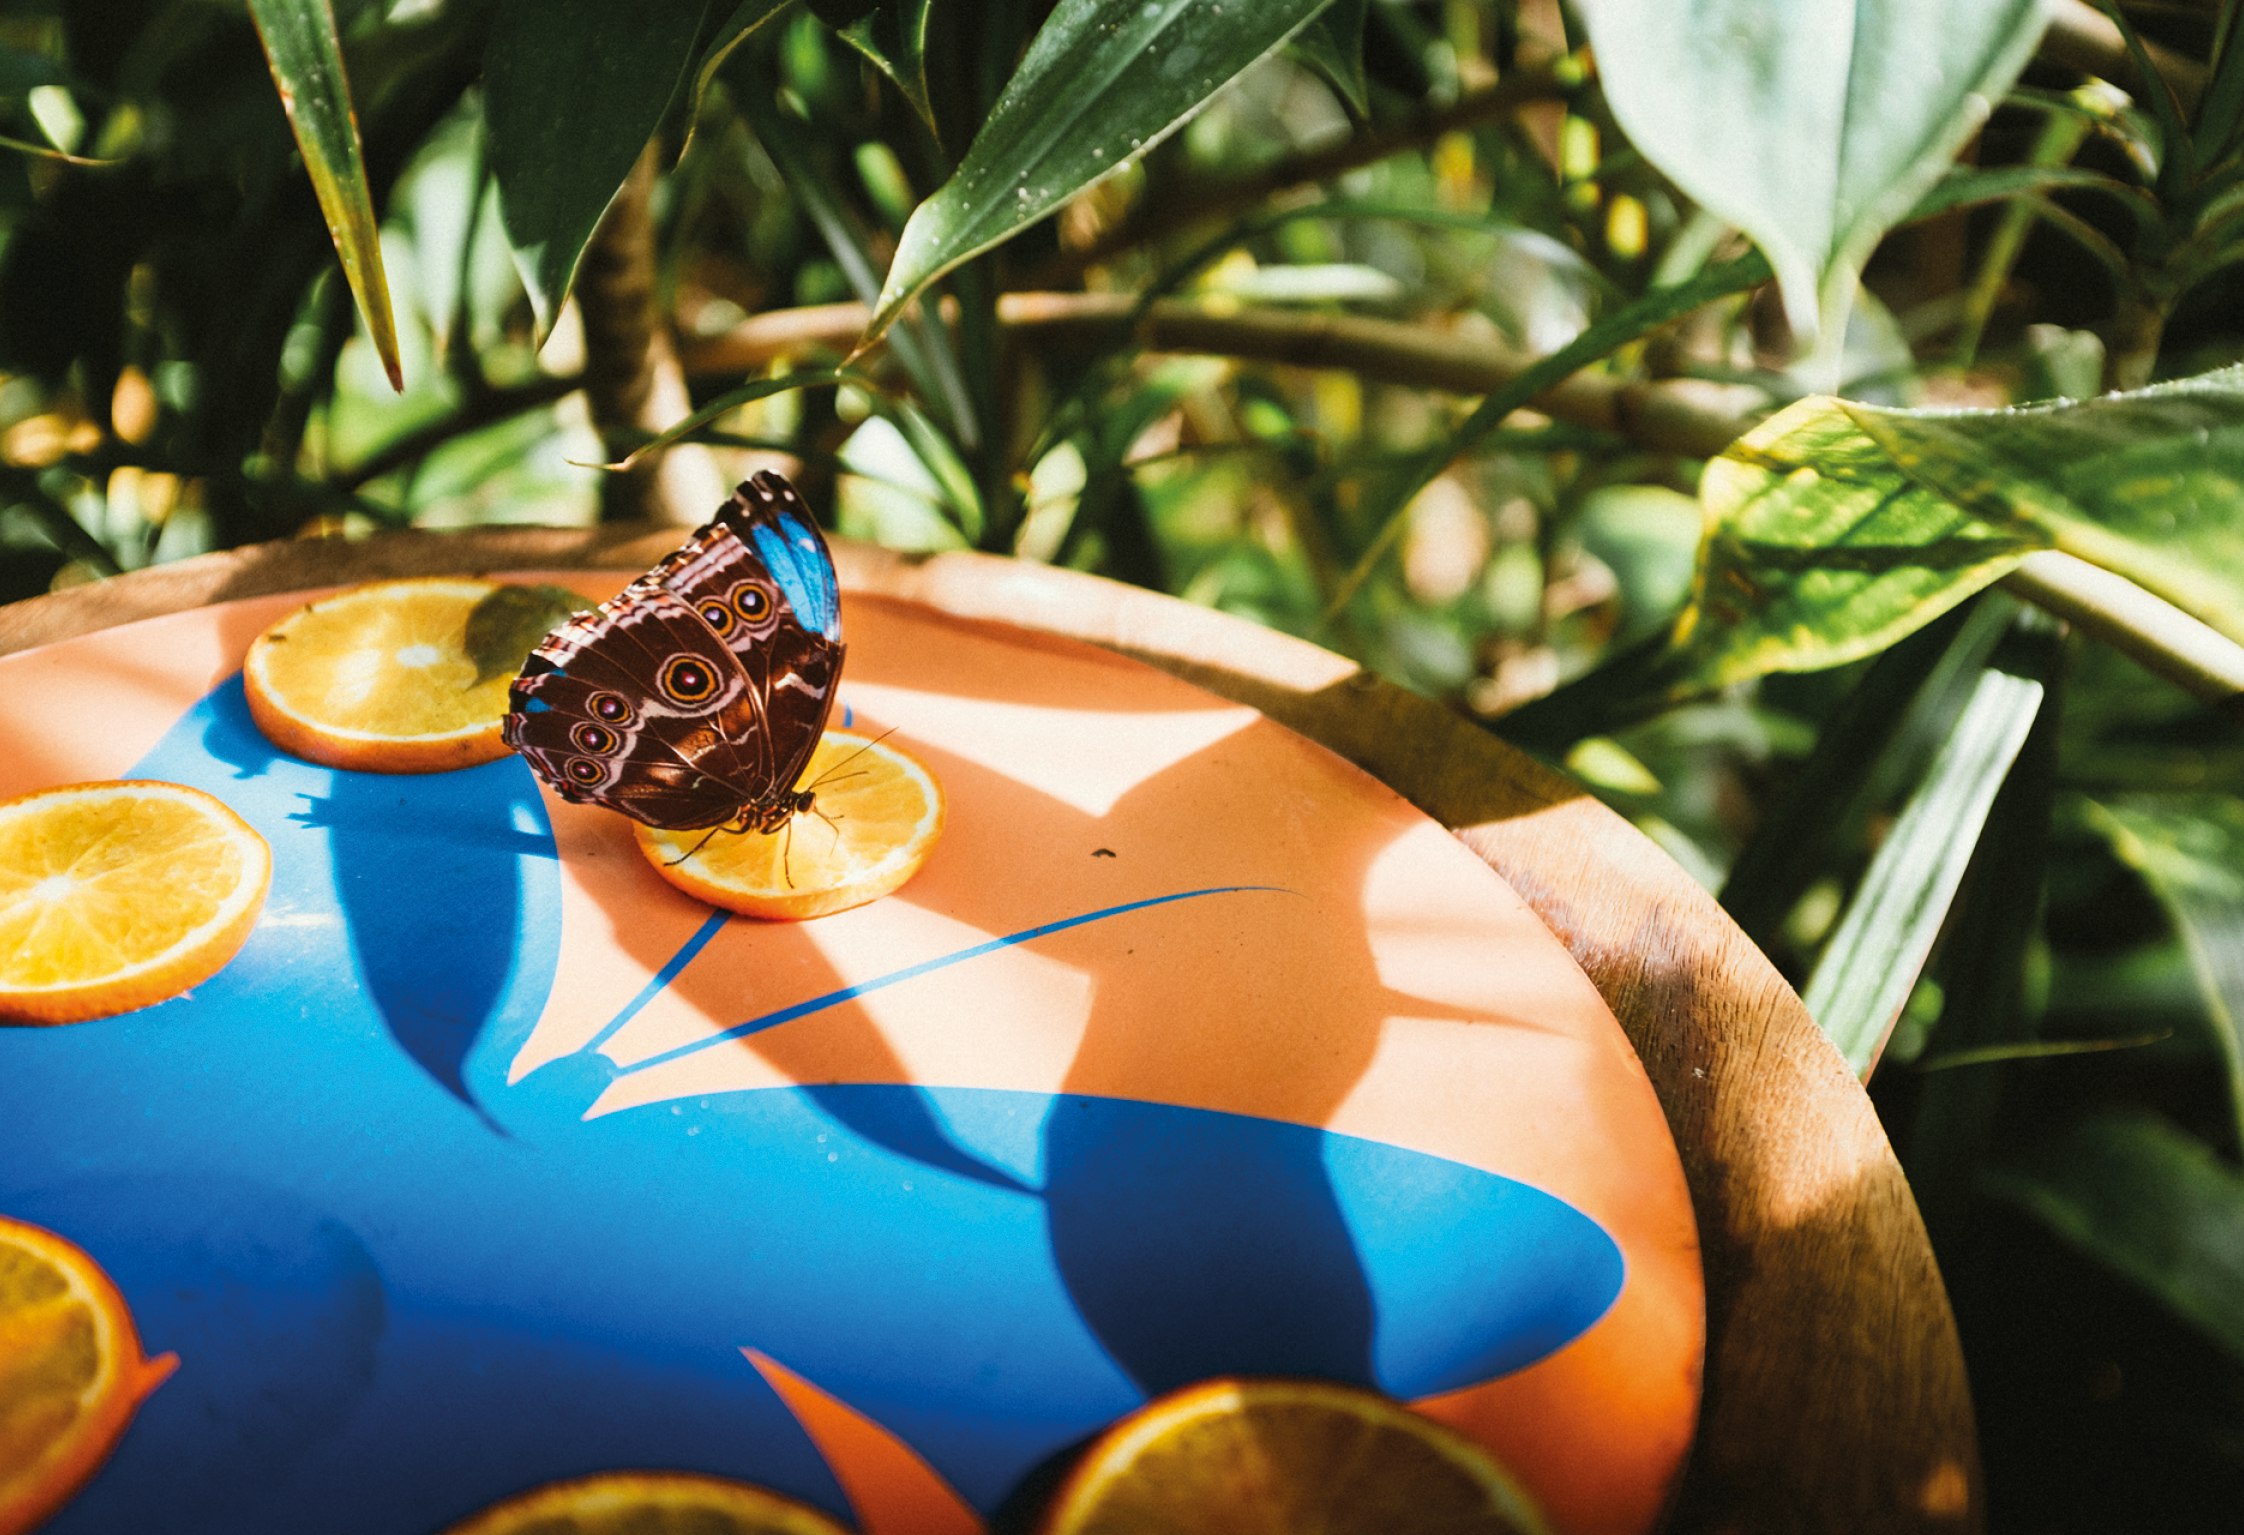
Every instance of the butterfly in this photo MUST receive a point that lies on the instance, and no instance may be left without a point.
(694, 697)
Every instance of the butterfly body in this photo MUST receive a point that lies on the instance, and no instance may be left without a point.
(694, 697)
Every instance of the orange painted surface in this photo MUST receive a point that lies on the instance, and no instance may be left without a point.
(890, 1489)
(1390, 986)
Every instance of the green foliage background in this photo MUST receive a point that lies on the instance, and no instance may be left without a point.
(1816, 425)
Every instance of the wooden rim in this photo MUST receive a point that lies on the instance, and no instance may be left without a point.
(1835, 1394)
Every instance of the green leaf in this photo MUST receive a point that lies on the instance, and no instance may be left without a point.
(502, 628)
(894, 38)
(1878, 737)
(730, 34)
(2220, 111)
(1985, 971)
(572, 91)
(1812, 125)
(725, 404)
(1103, 81)
(1835, 528)
(2149, 485)
(1631, 322)
(1969, 186)
(921, 344)
(1333, 46)
(307, 63)
(2189, 848)
(49, 152)
(1819, 552)
(2151, 1203)
(1881, 944)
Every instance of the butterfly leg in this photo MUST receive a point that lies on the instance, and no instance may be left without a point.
(698, 846)
(830, 822)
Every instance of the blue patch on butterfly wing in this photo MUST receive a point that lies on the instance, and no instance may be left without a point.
(798, 563)
(812, 550)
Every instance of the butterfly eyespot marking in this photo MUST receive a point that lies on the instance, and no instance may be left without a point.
(752, 601)
(687, 680)
(717, 615)
(612, 707)
(596, 739)
(584, 770)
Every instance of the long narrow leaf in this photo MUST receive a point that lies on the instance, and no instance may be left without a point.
(1988, 1012)
(49, 152)
(1874, 958)
(732, 400)
(2189, 848)
(306, 58)
(921, 344)
(1333, 46)
(2220, 111)
(1968, 187)
(1103, 81)
(730, 34)
(572, 91)
(894, 39)
(1925, 677)
(2151, 1203)
(1655, 309)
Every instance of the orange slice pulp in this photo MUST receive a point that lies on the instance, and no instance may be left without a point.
(116, 895)
(1286, 1457)
(71, 1372)
(648, 1503)
(877, 816)
(379, 678)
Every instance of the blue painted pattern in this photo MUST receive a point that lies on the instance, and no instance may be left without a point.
(401, 1287)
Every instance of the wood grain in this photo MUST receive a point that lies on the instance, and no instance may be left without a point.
(1835, 1394)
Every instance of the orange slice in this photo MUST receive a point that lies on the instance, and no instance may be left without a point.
(71, 1372)
(1286, 1457)
(116, 895)
(877, 816)
(648, 1503)
(379, 678)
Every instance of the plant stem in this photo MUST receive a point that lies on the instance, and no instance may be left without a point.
(2136, 623)
(632, 380)
(1680, 416)
(2132, 340)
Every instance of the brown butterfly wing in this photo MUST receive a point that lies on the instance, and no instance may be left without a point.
(695, 696)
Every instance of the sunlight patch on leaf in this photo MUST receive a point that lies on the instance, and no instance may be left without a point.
(1833, 529)
(307, 63)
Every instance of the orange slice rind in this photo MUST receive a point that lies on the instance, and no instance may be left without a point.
(1286, 1457)
(116, 895)
(379, 678)
(71, 1372)
(877, 816)
(649, 1503)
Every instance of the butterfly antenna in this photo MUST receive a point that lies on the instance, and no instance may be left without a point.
(697, 847)
(852, 757)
